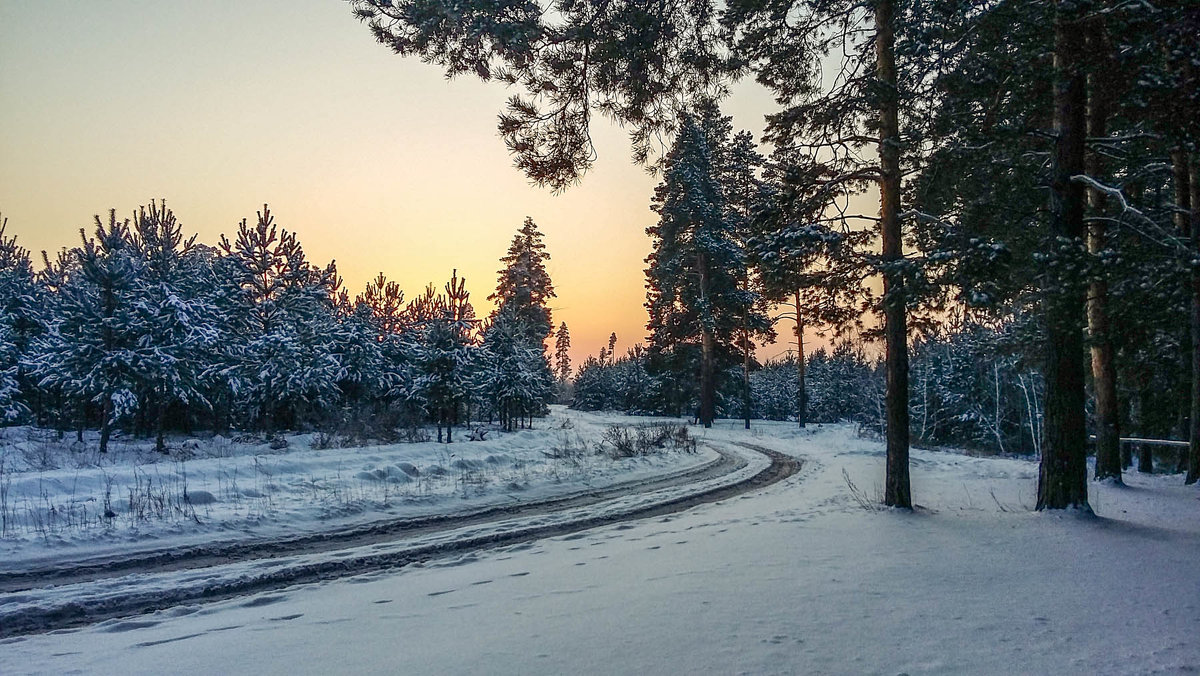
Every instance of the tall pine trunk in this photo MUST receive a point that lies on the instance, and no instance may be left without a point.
(707, 379)
(105, 423)
(1062, 479)
(708, 387)
(746, 370)
(160, 423)
(1193, 469)
(802, 397)
(1104, 372)
(897, 492)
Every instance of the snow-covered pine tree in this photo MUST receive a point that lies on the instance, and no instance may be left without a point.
(285, 367)
(737, 164)
(11, 407)
(385, 301)
(181, 335)
(89, 353)
(21, 319)
(694, 293)
(524, 286)
(365, 376)
(803, 260)
(446, 326)
(514, 373)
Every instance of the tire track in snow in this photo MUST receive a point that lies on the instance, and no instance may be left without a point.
(386, 530)
(265, 566)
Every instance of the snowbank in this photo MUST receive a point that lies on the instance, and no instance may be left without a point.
(796, 578)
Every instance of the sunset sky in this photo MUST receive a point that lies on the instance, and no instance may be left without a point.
(374, 160)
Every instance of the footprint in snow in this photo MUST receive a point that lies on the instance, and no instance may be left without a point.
(520, 574)
(439, 593)
(263, 601)
(151, 644)
(119, 627)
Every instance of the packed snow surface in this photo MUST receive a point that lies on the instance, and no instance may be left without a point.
(55, 499)
(804, 576)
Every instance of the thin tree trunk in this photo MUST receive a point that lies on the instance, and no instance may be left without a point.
(707, 375)
(897, 491)
(707, 386)
(1104, 372)
(1145, 459)
(746, 371)
(1193, 470)
(105, 425)
(159, 424)
(1062, 479)
(802, 398)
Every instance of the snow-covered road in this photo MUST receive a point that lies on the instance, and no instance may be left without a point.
(67, 596)
(793, 578)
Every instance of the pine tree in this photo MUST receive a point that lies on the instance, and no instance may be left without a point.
(385, 301)
(89, 352)
(517, 377)
(562, 354)
(21, 320)
(283, 366)
(443, 358)
(562, 364)
(695, 269)
(11, 407)
(181, 336)
(524, 286)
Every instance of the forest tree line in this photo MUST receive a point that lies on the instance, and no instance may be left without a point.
(143, 329)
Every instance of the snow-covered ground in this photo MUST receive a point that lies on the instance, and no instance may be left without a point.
(796, 578)
(53, 499)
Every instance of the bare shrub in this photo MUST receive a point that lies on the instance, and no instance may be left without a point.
(6, 519)
(623, 442)
(865, 501)
(568, 448)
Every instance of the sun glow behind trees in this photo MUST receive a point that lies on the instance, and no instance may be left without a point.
(377, 162)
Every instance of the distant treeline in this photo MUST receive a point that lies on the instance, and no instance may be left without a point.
(972, 387)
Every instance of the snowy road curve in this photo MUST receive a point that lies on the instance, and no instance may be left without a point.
(38, 600)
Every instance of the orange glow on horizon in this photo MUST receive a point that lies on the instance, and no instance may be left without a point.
(373, 160)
